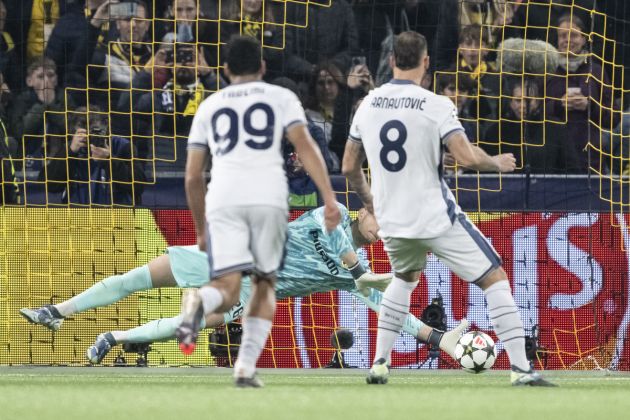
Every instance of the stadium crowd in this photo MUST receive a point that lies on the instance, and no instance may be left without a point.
(130, 75)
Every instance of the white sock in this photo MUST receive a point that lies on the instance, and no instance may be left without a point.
(211, 299)
(255, 333)
(507, 323)
(392, 315)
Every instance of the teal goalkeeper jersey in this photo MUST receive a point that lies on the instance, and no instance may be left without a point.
(312, 263)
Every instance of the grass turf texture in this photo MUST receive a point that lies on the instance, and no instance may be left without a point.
(203, 393)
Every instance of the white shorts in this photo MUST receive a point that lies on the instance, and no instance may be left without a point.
(246, 239)
(462, 248)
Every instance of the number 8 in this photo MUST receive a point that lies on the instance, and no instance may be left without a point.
(393, 146)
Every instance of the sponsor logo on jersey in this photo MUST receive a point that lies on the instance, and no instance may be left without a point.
(332, 267)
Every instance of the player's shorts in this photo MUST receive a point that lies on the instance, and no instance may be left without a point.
(189, 266)
(462, 248)
(246, 239)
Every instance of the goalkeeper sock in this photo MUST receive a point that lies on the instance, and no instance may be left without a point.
(158, 330)
(211, 299)
(507, 323)
(108, 291)
(392, 315)
(255, 334)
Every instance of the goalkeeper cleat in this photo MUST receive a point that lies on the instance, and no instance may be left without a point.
(245, 382)
(450, 338)
(192, 313)
(378, 373)
(48, 316)
(528, 378)
(97, 352)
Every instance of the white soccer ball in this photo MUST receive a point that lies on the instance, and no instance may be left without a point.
(475, 352)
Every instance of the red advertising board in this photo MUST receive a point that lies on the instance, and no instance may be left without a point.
(569, 275)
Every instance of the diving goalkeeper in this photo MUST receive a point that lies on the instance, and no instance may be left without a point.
(315, 262)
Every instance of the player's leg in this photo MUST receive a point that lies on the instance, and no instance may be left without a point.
(446, 341)
(109, 290)
(268, 237)
(162, 329)
(508, 326)
(407, 258)
(228, 256)
(216, 297)
(257, 322)
(470, 255)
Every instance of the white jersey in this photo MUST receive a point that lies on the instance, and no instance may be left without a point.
(402, 128)
(243, 126)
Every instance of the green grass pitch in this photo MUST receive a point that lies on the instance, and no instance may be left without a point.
(66, 393)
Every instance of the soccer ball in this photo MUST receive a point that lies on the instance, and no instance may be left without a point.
(475, 352)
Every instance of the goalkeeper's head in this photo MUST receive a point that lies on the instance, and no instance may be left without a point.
(364, 228)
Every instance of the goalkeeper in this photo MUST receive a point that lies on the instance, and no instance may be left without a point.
(315, 262)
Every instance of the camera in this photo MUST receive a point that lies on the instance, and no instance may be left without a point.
(98, 136)
(183, 55)
(124, 10)
(434, 314)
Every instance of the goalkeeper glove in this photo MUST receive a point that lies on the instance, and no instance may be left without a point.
(365, 280)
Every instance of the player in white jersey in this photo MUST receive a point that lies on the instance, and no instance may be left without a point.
(402, 130)
(246, 204)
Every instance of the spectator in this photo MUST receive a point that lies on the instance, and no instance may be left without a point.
(323, 92)
(302, 189)
(331, 34)
(539, 146)
(113, 64)
(156, 74)
(249, 17)
(168, 112)
(9, 188)
(6, 97)
(358, 83)
(7, 45)
(617, 147)
(93, 167)
(68, 33)
(579, 93)
(459, 89)
(38, 111)
(30, 23)
(473, 49)
(184, 18)
(491, 15)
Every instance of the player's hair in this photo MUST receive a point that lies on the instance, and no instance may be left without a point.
(244, 55)
(450, 77)
(409, 48)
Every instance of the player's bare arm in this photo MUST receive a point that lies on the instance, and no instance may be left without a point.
(473, 157)
(352, 168)
(196, 164)
(314, 164)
